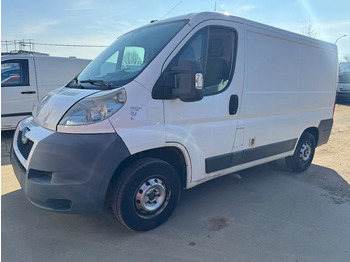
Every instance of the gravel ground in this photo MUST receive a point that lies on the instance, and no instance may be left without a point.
(336, 153)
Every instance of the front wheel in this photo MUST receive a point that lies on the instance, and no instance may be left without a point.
(146, 194)
(303, 155)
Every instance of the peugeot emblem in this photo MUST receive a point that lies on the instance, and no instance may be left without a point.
(24, 132)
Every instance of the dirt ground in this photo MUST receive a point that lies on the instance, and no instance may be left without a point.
(336, 153)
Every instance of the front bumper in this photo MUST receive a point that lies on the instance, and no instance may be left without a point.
(62, 172)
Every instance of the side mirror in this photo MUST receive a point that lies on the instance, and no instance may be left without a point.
(189, 81)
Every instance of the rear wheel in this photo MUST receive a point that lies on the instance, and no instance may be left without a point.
(146, 194)
(303, 155)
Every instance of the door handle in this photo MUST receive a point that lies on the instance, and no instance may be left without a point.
(28, 92)
(233, 106)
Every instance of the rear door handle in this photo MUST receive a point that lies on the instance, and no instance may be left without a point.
(28, 92)
(233, 104)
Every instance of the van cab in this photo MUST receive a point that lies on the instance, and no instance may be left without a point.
(171, 105)
(26, 78)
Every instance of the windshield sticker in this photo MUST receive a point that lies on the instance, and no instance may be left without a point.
(138, 113)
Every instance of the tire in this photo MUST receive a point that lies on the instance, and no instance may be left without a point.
(303, 155)
(146, 194)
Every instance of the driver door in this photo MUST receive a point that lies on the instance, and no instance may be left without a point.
(207, 127)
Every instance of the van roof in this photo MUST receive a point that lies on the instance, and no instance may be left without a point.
(196, 18)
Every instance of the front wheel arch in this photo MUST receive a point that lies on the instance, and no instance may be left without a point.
(172, 155)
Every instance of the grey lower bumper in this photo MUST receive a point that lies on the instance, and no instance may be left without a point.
(70, 173)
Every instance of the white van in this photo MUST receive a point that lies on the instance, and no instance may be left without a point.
(26, 78)
(171, 105)
(343, 91)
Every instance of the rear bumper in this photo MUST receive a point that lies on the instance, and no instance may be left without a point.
(67, 173)
(324, 131)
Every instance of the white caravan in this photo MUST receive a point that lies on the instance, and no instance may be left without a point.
(171, 105)
(25, 79)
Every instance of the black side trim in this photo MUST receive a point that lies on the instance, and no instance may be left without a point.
(241, 157)
(217, 162)
(324, 131)
(17, 114)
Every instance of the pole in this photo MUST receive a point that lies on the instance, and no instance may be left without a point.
(339, 38)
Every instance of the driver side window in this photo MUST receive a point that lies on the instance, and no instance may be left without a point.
(214, 49)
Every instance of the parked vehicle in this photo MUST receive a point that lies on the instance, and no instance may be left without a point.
(25, 79)
(210, 95)
(343, 91)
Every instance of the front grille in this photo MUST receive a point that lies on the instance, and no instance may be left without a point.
(21, 167)
(24, 148)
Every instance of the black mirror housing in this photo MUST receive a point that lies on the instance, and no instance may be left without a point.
(186, 74)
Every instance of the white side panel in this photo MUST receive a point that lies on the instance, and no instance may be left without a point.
(54, 72)
(140, 122)
(272, 85)
(318, 85)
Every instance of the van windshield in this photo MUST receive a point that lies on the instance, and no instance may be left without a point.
(124, 60)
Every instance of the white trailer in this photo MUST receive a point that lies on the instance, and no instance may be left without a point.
(171, 105)
(25, 79)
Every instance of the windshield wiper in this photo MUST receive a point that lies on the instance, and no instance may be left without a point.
(100, 83)
(74, 84)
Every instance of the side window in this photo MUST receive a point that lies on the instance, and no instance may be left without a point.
(193, 50)
(220, 59)
(14, 73)
(214, 48)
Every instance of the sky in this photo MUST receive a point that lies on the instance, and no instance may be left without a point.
(100, 22)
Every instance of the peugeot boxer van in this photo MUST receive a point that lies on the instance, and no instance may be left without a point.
(171, 105)
(26, 78)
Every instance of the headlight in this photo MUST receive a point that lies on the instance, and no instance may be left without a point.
(93, 109)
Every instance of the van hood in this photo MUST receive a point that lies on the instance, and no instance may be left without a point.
(52, 107)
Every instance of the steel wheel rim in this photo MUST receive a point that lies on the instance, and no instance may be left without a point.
(305, 152)
(151, 197)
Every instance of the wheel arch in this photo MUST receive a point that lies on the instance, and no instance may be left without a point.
(170, 154)
(313, 131)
